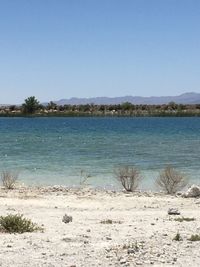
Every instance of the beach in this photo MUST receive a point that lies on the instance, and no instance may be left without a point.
(108, 228)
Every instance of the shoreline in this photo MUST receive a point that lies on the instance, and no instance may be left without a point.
(61, 115)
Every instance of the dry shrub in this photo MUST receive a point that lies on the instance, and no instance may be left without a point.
(109, 221)
(129, 177)
(171, 181)
(194, 238)
(9, 179)
(177, 237)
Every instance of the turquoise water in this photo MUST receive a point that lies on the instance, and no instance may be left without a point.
(50, 151)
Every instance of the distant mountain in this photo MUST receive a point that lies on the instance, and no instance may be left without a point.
(187, 98)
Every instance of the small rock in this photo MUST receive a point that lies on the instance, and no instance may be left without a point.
(122, 261)
(173, 211)
(193, 191)
(108, 256)
(67, 219)
(130, 251)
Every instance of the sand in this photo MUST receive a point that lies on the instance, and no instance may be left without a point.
(141, 234)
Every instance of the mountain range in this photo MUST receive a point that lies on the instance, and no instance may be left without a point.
(186, 98)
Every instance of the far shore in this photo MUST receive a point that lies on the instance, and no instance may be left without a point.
(32, 107)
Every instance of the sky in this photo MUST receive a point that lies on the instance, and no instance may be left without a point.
(55, 49)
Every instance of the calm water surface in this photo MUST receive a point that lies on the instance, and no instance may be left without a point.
(55, 150)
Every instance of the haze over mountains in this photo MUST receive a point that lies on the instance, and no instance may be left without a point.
(186, 98)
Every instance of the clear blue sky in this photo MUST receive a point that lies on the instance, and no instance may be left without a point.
(62, 48)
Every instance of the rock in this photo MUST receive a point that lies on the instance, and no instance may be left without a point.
(109, 256)
(130, 251)
(58, 188)
(193, 191)
(67, 219)
(173, 211)
(122, 261)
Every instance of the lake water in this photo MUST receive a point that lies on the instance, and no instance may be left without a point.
(48, 151)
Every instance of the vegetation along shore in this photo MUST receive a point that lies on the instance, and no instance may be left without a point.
(32, 107)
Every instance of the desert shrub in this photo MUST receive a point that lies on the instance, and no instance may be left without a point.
(171, 181)
(131, 246)
(67, 219)
(109, 221)
(129, 177)
(194, 238)
(17, 224)
(177, 237)
(184, 219)
(9, 179)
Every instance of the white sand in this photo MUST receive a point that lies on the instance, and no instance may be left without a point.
(144, 236)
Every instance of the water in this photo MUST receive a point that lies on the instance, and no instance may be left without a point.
(48, 151)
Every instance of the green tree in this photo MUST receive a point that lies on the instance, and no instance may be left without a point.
(52, 105)
(126, 106)
(31, 105)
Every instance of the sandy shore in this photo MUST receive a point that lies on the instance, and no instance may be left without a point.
(141, 234)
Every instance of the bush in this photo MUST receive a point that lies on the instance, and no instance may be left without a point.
(177, 237)
(184, 219)
(171, 180)
(109, 221)
(9, 179)
(194, 238)
(17, 224)
(129, 177)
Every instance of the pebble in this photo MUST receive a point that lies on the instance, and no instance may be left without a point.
(122, 261)
(173, 211)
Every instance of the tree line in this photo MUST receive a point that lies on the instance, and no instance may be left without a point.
(32, 106)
